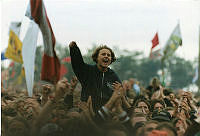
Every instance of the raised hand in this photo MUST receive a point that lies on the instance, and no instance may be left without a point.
(119, 88)
(46, 90)
(62, 87)
(74, 82)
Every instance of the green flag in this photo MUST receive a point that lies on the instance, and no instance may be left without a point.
(174, 41)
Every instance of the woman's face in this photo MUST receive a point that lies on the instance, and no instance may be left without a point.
(143, 106)
(104, 58)
(158, 106)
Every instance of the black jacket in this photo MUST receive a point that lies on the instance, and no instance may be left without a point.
(94, 83)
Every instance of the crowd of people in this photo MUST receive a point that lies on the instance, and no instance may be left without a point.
(96, 103)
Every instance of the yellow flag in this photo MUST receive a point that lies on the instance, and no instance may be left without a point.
(14, 50)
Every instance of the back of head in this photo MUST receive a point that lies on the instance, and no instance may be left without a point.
(51, 129)
(168, 127)
(79, 127)
(18, 126)
(111, 128)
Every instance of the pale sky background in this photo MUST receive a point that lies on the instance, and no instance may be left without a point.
(129, 24)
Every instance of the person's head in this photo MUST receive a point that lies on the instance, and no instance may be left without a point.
(103, 56)
(155, 82)
(80, 127)
(137, 119)
(126, 84)
(132, 81)
(18, 126)
(171, 110)
(114, 129)
(51, 129)
(148, 127)
(158, 105)
(179, 124)
(167, 127)
(143, 105)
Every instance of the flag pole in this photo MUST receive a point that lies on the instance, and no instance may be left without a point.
(163, 74)
(199, 63)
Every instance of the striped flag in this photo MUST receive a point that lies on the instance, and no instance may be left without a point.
(174, 41)
(50, 63)
(155, 54)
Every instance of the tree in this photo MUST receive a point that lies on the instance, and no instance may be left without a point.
(181, 72)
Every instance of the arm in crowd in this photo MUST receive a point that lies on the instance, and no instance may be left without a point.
(114, 107)
(69, 96)
(78, 65)
(61, 88)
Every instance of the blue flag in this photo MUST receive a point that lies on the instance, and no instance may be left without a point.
(3, 56)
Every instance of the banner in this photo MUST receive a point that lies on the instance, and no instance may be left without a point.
(50, 63)
(174, 41)
(14, 50)
(28, 52)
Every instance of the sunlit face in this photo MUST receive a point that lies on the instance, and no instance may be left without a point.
(144, 107)
(104, 58)
(158, 106)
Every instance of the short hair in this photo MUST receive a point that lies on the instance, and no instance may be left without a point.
(151, 121)
(96, 53)
(155, 80)
(153, 103)
(135, 104)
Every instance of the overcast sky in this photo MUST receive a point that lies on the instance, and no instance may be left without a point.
(129, 24)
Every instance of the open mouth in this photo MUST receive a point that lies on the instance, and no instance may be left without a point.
(105, 60)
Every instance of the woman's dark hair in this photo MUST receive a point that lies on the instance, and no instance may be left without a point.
(140, 98)
(96, 53)
(153, 103)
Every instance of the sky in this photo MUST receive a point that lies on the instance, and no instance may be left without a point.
(128, 24)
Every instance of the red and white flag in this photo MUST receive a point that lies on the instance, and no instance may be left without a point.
(50, 63)
(155, 41)
(155, 53)
(63, 70)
